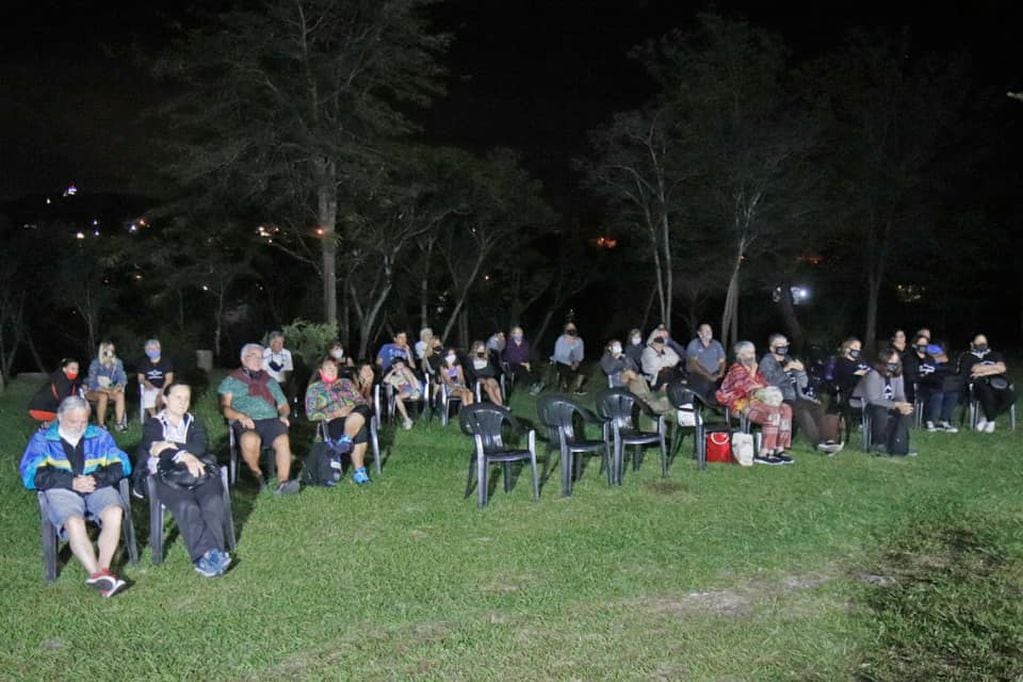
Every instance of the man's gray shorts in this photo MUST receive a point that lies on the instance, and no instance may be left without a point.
(63, 504)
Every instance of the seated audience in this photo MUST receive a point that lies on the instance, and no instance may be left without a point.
(634, 349)
(933, 382)
(154, 372)
(624, 372)
(404, 386)
(338, 401)
(849, 369)
(105, 383)
(789, 376)
(453, 378)
(77, 466)
(175, 451)
(884, 395)
(398, 348)
(336, 350)
(483, 369)
(364, 379)
(569, 352)
(424, 343)
(986, 371)
(496, 344)
(705, 360)
(744, 390)
(63, 383)
(516, 356)
(278, 363)
(258, 411)
(661, 364)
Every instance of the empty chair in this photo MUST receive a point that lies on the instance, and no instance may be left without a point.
(689, 414)
(560, 415)
(486, 423)
(621, 409)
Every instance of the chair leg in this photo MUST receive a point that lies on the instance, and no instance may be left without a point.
(48, 535)
(155, 526)
(664, 457)
(127, 525)
(375, 440)
(230, 540)
(506, 475)
(566, 471)
(482, 486)
(536, 478)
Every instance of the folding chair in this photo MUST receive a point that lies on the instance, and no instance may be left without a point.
(50, 536)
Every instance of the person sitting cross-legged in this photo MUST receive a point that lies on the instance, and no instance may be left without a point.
(77, 466)
(789, 376)
(338, 401)
(623, 371)
(258, 411)
(883, 392)
(745, 391)
(175, 446)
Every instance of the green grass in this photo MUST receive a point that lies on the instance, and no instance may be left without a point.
(730, 573)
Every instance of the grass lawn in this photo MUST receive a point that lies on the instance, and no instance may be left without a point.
(851, 567)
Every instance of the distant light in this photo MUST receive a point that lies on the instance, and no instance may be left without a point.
(48, 202)
(319, 231)
(205, 288)
(70, 191)
(138, 275)
(95, 233)
(798, 294)
(605, 242)
(95, 222)
(80, 235)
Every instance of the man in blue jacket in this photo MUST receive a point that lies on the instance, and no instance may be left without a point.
(77, 466)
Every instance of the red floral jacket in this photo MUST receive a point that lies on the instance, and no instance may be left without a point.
(738, 386)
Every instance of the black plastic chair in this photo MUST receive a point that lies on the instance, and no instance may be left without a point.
(621, 409)
(486, 423)
(559, 415)
(156, 518)
(267, 457)
(689, 407)
(51, 540)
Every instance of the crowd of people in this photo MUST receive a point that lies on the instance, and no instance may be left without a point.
(77, 465)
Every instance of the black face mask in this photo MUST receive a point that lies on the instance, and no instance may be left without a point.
(892, 367)
(570, 332)
(921, 349)
(781, 350)
(658, 339)
(854, 353)
(980, 348)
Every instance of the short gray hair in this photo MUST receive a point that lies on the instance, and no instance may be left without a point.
(774, 337)
(275, 335)
(72, 402)
(743, 346)
(249, 346)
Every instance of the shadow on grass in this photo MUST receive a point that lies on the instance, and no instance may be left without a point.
(946, 599)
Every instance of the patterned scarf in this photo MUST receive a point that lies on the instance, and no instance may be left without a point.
(258, 384)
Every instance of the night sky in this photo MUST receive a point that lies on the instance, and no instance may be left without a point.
(526, 74)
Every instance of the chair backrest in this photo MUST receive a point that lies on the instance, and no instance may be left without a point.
(679, 395)
(557, 413)
(618, 405)
(487, 421)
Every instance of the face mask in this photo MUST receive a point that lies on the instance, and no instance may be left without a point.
(516, 337)
(71, 375)
(153, 354)
(326, 379)
(854, 353)
(658, 339)
(108, 354)
(481, 353)
(980, 348)
(451, 359)
(571, 332)
(636, 340)
(616, 349)
(921, 349)
(337, 353)
(781, 350)
(893, 367)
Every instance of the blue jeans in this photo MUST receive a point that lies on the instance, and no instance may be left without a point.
(939, 405)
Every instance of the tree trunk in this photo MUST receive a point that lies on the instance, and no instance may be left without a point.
(729, 317)
(649, 305)
(669, 291)
(424, 287)
(326, 216)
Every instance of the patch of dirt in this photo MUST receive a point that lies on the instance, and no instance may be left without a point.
(713, 602)
(417, 534)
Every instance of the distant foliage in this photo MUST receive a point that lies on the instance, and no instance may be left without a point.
(308, 339)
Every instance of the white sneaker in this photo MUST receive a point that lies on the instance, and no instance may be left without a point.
(947, 427)
(407, 424)
(990, 427)
(981, 425)
(930, 426)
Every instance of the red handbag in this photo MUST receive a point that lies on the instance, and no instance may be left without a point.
(719, 446)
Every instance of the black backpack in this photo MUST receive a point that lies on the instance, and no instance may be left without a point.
(322, 466)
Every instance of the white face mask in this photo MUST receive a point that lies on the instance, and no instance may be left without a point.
(337, 353)
(616, 349)
(636, 340)
(451, 359)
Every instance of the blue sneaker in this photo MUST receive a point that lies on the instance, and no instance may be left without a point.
(206, 565)
(222, 560)
(342, 445)
(360, 476)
